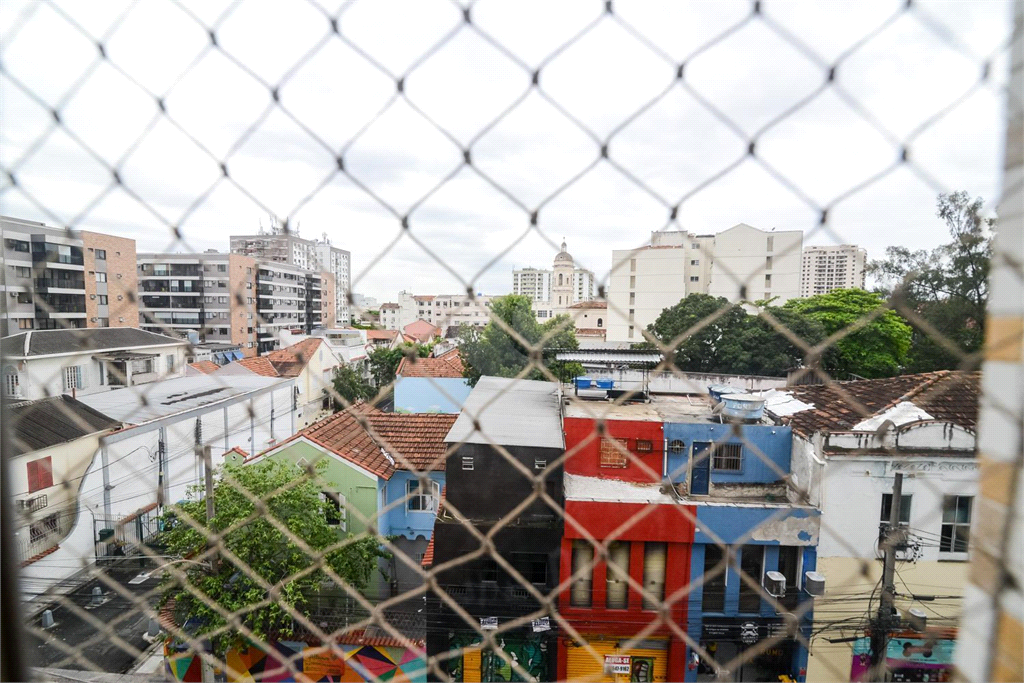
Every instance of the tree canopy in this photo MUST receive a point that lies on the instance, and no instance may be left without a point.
(947, 286)
(351, 386)
(384, 362)
(263, 550)
(493, 351)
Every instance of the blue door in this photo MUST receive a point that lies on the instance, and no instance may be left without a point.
(700, 468)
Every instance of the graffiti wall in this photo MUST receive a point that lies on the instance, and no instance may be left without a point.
(477, 664)
(358, 663)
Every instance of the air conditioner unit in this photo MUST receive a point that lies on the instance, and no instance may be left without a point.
(92, 320)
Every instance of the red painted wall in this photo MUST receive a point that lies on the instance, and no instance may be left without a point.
(583, 448)
(670, 523)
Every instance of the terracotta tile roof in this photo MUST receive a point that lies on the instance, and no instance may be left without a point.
(259, 365)
(417, 437)
(446, 365)
(428, 554)
(590, 304)
(290, 361)
(206, 367)
(381, 334)
(422, 331)
(591, 332)
(945, 395)
(388, 306)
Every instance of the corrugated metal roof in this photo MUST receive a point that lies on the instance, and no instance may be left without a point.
(511, 412)
(610, 356)
(51, 421)
(48, 342)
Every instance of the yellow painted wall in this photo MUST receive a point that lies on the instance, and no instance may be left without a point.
(844, 608)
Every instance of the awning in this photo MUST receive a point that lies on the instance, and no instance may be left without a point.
(219, 358)
(611, 357)
(237, 355)
(121, 356)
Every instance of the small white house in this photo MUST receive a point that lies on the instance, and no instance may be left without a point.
(41, 363)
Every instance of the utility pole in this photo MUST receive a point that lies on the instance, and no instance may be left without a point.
(206, 667)
(884, 621)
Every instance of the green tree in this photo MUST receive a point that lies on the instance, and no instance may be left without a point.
(262, 550)
(879, 349)
(351, 386)
(384, 362)
(493, 351)
(947, 286)
(764, 350)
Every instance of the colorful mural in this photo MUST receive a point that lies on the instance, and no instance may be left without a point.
(531, 653)
(358, 663)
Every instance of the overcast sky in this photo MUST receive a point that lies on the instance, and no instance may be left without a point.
(345, 97)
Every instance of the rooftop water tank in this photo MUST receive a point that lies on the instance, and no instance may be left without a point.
(716, 391)
(743, 407)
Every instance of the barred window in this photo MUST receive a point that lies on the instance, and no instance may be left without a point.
(727, 457)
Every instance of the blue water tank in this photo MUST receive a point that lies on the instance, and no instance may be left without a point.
(716, 391)
(583, 382)
(745, 407)
(605, 383)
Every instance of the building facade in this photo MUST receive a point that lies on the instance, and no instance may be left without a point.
(554, 291)
(749, 264)
(645, 281)
(280, 246)
(54, 278)
(832, 267)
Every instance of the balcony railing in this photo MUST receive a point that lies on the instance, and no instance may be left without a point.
(59, 283)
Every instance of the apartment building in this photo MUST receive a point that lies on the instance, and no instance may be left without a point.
(750, 264)
(277, 245)
(532, 282)
(228, 298)
(54, 278)
(440, 310)
(554, 291)
(825, 268)
(645, 281)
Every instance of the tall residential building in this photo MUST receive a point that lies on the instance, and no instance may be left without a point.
(832, 267)
(554, 291)
(318, 255)
(646, 281)
(53, 278)
(228, 298)
(440, 310)
(750, 264)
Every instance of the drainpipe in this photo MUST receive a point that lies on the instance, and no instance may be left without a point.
(106, 482)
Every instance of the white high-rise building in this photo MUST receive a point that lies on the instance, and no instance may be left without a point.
(750, 264)
(832, 267)
(646, 281)
(532, 282)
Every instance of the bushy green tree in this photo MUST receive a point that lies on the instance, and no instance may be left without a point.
(493, 351)
(262, 550)
(947, 286)
(878, 349)
(384, 362)
(351, 386)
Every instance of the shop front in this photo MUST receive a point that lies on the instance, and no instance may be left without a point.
(645, 662)
(726, 638)
(910, 657)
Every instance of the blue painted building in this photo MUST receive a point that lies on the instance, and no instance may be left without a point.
(749, 519)
(431, 385)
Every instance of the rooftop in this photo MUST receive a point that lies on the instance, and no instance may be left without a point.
(511, 412)
(447, 365)
(422, 331)
(287, 362)
(591, 304)
(51, 421)
(611, 356)
(381, 334)
(661, 408)
(52, 342)
(947, 395)
(207, 367)
(145, 402)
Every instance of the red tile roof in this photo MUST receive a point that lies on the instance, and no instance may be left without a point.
(382, 442)
(446, 365)
(591, 332)
(381, 334)
(590, 304)
(422, 331)
(205, 366)
(946, 395)
(287, 362)
(428, 554)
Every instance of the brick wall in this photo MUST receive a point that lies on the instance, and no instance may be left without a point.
(242, 284)
(329, 298)
(122, 282)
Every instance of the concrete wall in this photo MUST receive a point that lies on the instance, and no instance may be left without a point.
(430, 394)
(766, 451)
(684, 382)
(395, 517)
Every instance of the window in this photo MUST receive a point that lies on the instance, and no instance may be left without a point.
(102, 299)
(632, 298)
(629, 332)
(768, 280)
(600, 322)
(420, 498)
(40, 474)
(644, 446)
(170, 363)
(540, 463)
(771, 243)
(489, 571)
(727, 457)
(618, 569)
(695, 262)
(102, 322)
(904, 509)
(467, 462)
(11, 382)
(335, 513)
(676, 446)
(22, 271)
(580, 594)
(73, 378)
(632, 281)
(694, 278)
(142, 366)
(714, 586)
(655, 554)
(789, 566)
(26, 323)
(222, 267)
(632, 265)
(767, 262)
(956, 524)
(101, 277)
(18, 245)
(751, 564)
(613, 452)
(694, 245)
(533, 567)
(44, 527)
(101, 254)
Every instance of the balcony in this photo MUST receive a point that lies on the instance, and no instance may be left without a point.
(45, 284)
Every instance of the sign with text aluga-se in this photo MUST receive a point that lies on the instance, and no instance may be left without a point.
(617, 664)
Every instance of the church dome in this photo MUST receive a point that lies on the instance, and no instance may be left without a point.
(563, 257)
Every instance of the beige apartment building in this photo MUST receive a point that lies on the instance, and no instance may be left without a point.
(832, 267)
(754, 265)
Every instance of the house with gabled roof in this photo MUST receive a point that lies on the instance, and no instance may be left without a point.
(383, 472)
(311, 362)
(431, 385)
(850, 439)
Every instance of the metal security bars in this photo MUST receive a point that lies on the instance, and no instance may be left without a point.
(635, 525)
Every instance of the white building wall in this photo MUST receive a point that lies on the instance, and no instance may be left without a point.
(641, 285)
(824, 268)
(768, 264)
